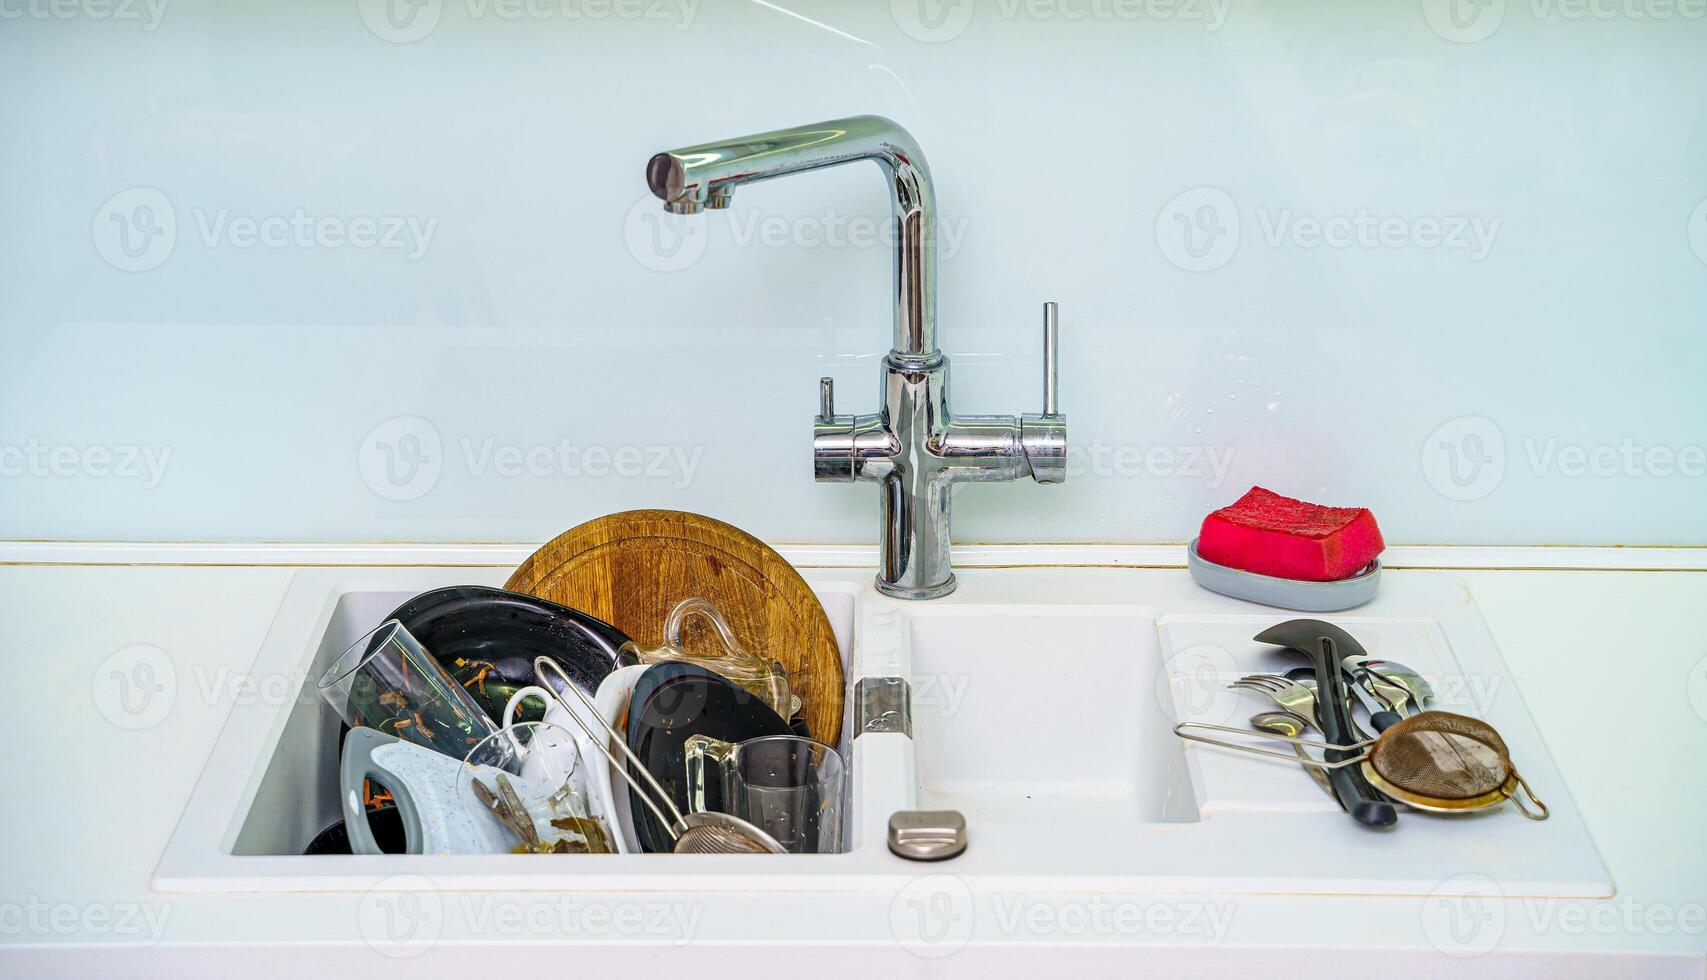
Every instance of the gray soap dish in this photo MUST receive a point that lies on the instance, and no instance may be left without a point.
(1285, 593)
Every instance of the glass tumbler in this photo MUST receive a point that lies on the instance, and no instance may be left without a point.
(387, 681)
(790, 787)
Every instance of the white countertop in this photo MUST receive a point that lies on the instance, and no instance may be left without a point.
(1586, 648)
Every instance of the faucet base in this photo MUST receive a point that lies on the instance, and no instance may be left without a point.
(897, 591)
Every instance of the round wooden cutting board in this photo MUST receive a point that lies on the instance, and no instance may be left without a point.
(630, 569)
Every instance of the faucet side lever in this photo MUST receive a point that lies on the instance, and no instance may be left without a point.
(1044, 436)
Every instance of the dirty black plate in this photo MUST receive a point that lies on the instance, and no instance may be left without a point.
(487, 638)
(673, 702)
(386, 824)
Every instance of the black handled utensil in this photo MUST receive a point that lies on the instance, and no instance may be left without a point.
(1327, 645)
(1381, 716)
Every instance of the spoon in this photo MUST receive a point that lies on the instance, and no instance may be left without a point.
(1289, 725)
(1422, 695)
(1391, 691)
(1307, 677)
(1327, 646)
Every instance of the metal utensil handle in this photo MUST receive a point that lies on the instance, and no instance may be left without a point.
(1181, 730)
(539, 665)
(1394, 679)
(1051, 358)
(1360, 799)
(1381, 714)
(1541, 813)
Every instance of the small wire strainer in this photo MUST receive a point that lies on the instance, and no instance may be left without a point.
(1437, 761)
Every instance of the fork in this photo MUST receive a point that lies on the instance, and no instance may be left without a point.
(1289, 694)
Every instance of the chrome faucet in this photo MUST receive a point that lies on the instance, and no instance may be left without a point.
(912, 447)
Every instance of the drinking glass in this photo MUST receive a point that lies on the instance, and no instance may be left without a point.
(387, 681)
(790, 787)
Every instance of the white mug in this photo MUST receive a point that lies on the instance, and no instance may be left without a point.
(565, 752)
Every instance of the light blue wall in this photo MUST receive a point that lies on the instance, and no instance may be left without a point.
(1248, 212)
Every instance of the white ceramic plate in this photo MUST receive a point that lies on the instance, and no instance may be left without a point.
(612, 699)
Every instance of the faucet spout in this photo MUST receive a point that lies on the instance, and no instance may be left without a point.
(696, 177)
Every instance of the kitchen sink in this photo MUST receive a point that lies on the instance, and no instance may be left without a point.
(1062, 697)
(1043, 702)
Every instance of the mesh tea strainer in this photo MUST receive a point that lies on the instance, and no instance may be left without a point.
(1436, 761)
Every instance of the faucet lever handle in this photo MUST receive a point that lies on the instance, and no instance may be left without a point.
(826, 398)
(1051, 344)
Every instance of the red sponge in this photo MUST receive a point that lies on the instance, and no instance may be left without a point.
(1269, 534)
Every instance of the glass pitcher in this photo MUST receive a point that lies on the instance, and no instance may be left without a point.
(766, 681)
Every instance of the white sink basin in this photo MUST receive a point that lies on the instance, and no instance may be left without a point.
(1043, 704)
(1042, 725)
